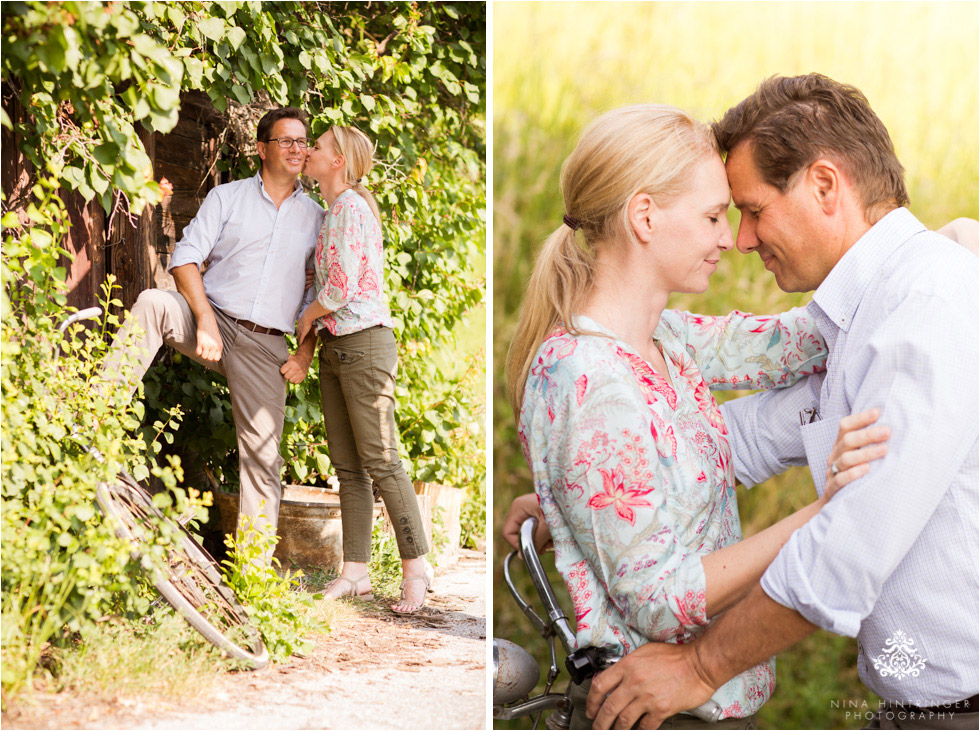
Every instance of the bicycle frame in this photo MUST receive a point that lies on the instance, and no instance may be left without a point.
(191, 581)
(555, 627)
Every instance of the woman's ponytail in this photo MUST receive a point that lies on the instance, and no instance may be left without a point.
(563, 275)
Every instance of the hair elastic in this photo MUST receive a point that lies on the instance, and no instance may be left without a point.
(572, 223)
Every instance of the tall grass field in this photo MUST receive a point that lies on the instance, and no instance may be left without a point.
(558, 65)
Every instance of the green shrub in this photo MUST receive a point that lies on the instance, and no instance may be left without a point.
(65, 431)
(279, 610)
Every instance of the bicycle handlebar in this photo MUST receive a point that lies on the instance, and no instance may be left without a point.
(556, 615)
(86, 314)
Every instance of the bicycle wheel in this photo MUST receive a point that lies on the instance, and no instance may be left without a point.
(190, 581)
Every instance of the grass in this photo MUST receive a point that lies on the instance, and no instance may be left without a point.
(559, 65)
(159, 661)
(161, 657)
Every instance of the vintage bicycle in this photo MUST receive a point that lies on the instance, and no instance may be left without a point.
(516, 672)
(189, 579)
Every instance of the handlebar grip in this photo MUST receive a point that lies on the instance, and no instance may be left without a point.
(86, 314)
(707, 711)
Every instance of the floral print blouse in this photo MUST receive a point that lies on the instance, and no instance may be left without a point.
(349, 268)
(634, 475)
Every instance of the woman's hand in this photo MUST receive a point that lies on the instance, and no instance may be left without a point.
(304, 324)
(524, 507)
(309, 278)
(858, 443)
(313, 312)
(964, 231)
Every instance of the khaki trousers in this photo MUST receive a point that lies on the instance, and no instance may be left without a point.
(357, 392)
(250, 361)
(580, 694)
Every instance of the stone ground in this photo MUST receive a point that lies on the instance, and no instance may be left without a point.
(376, 670)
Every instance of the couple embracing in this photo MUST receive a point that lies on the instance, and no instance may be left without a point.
(258, 237)
(873, 384)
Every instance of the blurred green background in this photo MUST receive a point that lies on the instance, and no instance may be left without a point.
(556, 66)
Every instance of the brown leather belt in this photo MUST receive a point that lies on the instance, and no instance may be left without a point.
(248, 325)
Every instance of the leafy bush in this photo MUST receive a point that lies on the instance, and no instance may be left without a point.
(64, 432)
(280, 612)
(385, 567)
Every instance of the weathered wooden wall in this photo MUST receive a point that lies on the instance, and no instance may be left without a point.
(136, 251)
(86, 269)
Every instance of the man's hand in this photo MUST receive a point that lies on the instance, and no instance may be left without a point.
(651, 683)
(524, 507)
(295, 368)
(209, 343)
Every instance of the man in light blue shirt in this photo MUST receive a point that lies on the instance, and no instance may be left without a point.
(893, 558)
(256, 238)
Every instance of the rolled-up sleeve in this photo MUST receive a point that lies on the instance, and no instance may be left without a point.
(201, 234)
(764, 430)
(612, 498)
(921, 374)
(743, 351)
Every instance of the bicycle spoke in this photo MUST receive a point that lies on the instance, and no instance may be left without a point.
(189, 579)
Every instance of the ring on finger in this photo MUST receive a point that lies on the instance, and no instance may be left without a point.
(834, 470)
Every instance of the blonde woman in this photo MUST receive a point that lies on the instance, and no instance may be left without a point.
(628, 449)
(358, 359)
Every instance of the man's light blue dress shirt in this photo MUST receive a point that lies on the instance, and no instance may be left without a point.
(257, 254)
(893, 558)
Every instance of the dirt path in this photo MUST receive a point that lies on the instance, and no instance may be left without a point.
(376, 670)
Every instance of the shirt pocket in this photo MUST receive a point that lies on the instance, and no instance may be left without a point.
(298, 241)
(818, 441)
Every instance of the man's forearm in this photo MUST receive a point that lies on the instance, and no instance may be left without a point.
(190, 284)
(659, 679)
(749, 633)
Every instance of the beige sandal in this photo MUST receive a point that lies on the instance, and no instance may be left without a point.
(427, 577)
(351, 588)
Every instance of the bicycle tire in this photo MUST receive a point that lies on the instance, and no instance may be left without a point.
(191, 582)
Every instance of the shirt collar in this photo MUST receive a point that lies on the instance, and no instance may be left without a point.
(297, 186)
(841, 292)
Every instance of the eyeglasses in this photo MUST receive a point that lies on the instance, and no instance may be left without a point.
(285, 142)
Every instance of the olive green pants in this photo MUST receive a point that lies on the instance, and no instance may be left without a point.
(357, 392)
